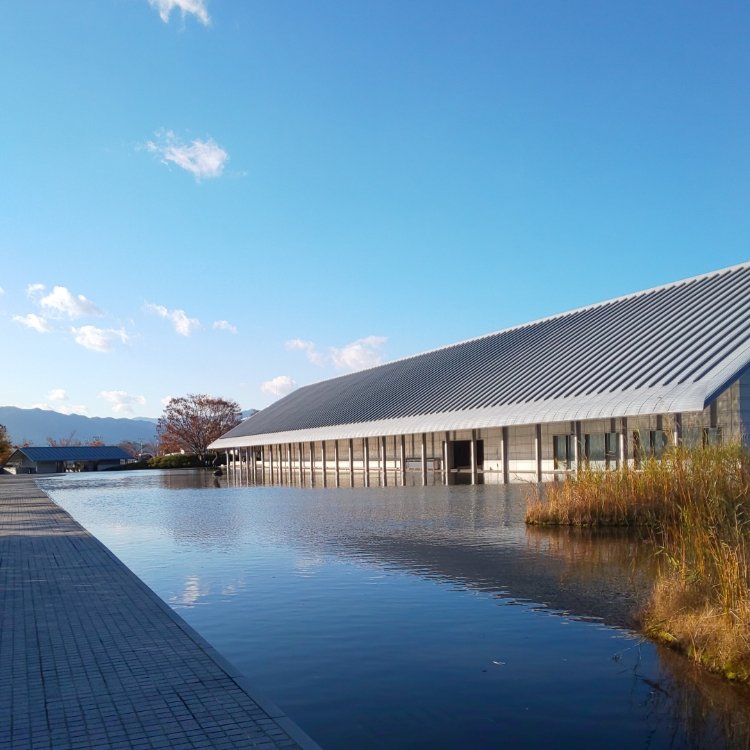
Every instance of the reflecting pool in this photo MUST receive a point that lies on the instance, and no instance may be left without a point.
(412, 617)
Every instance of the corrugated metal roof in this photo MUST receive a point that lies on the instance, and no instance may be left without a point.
(663, 350)
(75, 453)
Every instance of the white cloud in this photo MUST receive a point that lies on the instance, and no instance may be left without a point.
(358, 355)
(34, 289)
(98, 339)
(196, 8)
(57, 394)
(179, 318)
(35, 322)
(225, 325)
(61, 302)
(166, 400)
(308, 347)
(122, 402)
(203, 159)
(279, 386)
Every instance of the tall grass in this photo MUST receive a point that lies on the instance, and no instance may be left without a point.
(694, 505)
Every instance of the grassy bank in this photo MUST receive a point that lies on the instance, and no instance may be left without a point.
(694, 507)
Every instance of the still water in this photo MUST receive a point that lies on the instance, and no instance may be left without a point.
(411, 617)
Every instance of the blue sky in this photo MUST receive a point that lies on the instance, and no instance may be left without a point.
(237, 198)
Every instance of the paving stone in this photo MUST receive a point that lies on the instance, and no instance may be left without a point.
(93, 658)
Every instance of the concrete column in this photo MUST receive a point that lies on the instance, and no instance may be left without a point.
(384, 459)
(336, 461)
(622, 457)
(677, 434)
(578, 445)
(323, 458)
(423, 458)
(350, 448)
(446, 471)
(366, 460)
(226, 460)
(271, 467)
(402, 459)
(312, 464)
(505, 450)
(538, 451)
(473, 456)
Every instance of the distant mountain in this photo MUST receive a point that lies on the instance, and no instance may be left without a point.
(36, 425)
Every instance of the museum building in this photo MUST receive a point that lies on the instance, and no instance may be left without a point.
(605, 384)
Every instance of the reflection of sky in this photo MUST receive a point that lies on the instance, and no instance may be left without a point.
(390, 617)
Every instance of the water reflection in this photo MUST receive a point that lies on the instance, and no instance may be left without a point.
(348, 606)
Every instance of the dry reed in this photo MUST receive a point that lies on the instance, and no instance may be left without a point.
(695, 507)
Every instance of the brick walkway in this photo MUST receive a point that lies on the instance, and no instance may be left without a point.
(90, 657)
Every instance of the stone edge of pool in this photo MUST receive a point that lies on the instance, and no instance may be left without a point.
(15, 518)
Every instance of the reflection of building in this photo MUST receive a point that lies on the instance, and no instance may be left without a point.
(608, 383)
(45, 460)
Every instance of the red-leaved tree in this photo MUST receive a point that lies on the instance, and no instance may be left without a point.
(192, 422)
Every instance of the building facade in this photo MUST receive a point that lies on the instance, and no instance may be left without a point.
(604, 384)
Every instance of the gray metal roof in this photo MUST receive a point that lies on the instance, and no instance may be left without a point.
(73, 453)
(664, 350)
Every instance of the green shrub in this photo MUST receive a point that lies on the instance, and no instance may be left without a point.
(175, 461)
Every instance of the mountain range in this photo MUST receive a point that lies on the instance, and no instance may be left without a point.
(35, 426)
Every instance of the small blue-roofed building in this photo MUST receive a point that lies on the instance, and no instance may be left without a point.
(48, 460)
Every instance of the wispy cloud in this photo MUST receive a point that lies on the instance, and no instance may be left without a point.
(195, 8)
(279, 386)
(121, 401)
(225, 325)
(203, 159)
(33, 321)
(360, 354)
(57, 394)
(308, 347)
(61, 302)
(183, 324)
(2, 291)
(98, 339)
(33, 289)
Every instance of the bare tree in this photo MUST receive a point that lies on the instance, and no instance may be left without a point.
(192, 422)
(66, 442)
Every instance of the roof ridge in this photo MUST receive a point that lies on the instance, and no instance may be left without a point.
(519, 326)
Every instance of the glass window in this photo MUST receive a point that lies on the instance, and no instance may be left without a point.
(562, 448)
